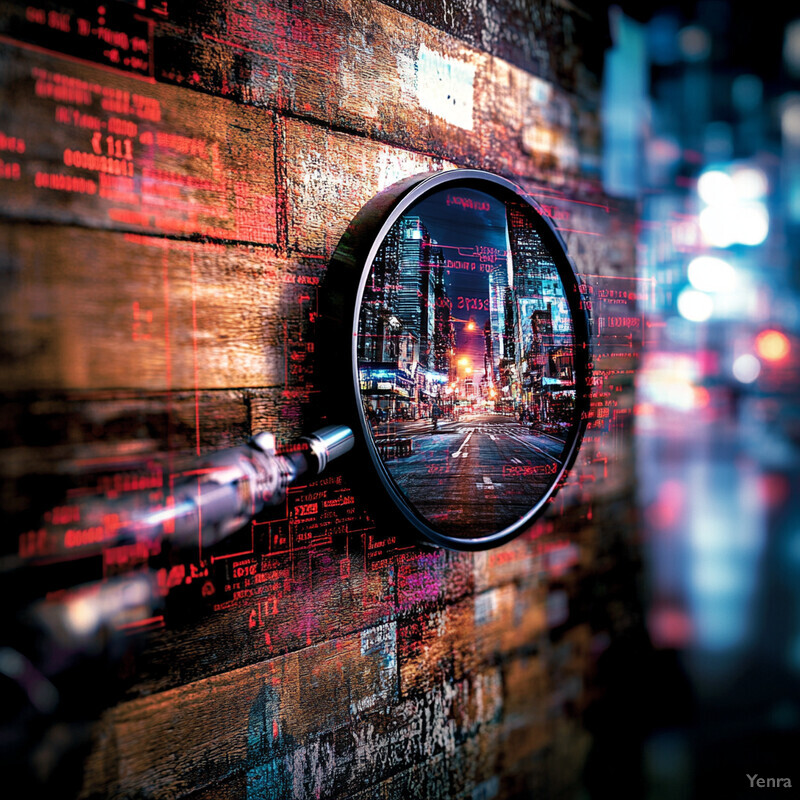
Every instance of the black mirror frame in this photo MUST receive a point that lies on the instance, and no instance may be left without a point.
(340, 304)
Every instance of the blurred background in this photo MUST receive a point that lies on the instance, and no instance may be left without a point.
(702, 127)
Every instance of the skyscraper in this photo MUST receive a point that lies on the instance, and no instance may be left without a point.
(417, 256)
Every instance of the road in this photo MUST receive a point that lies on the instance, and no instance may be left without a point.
(476, 475)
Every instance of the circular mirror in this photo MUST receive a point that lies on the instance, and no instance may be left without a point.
(469, 355)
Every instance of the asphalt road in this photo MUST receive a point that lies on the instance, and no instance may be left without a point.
(474, 476)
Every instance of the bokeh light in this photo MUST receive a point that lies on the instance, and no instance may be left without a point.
(716, 188)
(744, 223)
(751, 223)
(695, 306)
(711, 274)
(695, 43)
(746, 368)
(750, 183)
(790, 119)
(772, 345)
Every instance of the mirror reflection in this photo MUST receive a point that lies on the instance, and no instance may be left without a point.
(465, 354)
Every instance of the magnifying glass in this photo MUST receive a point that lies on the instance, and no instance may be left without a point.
(455, 340)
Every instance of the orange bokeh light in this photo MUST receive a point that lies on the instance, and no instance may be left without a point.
(772, 345)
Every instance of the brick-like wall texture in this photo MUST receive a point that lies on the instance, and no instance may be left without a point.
(175, 178)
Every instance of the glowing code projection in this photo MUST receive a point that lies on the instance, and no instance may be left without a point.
(119, 152)
(466, 361)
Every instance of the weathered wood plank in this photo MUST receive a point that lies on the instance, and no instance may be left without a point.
(247, 717)
(453, 642)
(91, 310)
(264, 722)
(107, 150)
(539, 36)
(330, 176)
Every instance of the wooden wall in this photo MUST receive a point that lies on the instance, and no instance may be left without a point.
(174, 180)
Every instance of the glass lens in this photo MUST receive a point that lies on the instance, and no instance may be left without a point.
(465, 354)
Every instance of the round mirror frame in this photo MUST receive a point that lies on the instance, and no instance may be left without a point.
(340, 306)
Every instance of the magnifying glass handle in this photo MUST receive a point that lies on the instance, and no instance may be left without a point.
(328, 443)
(237, 484)
(216, 496)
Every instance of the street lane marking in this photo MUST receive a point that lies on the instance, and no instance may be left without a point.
(463, 445)
(534, 447)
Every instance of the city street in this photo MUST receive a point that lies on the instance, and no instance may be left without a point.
(476, 475)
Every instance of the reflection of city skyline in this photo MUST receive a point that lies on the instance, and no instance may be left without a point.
(491, 326)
